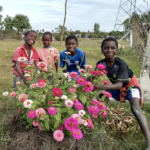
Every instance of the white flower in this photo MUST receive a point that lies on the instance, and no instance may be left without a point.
(27, 75)
(22, 59)
(66, 74)
(67, 53)
(56, 97)
(64, 97)
(84, 122)
(69, 103)
(81, 113)
(27, 103)
(5, 93)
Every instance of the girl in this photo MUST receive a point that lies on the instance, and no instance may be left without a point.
(125, 85)
(23, 56)
(48, 54)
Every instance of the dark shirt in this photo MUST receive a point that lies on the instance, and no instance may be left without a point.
(119, 71)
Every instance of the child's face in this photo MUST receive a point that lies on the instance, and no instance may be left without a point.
(46, 40)
(71, 45)
(109, 49)
(30, 39)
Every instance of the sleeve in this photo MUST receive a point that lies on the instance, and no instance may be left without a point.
(56, 55)
(62, 62)
(122, 75)
(17, 54)
(83, 60)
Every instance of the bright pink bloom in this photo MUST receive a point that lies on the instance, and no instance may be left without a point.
(104, 113)
(77, 134)
(94, 102)
(100, 66)
(40, 111)
(19, 110)
(108, 94)
(77, 117)
(94, 110)
(105, 82)
(95, 116)
(92, 126)
(69, 103)
(81, 81)
(13, 94)
(89, 121)
(50, 102)
(92, 72)
(73, 74)
(58, 135)
(104, 71)
(71, 124)
(101, 106)
(22, 97)
(75, 100)
(57, 92)
(52, 110)
(31, 114)
(41, 65)
(61, 127)
(41, 83)
(88, 66)
(72, 90)
(89, 85)
(78, 106)
(84, 52)
(35, 123)
(86, 90)
(34, 85)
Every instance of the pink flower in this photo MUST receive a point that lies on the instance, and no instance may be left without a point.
(94, 110)
(88, 66)
(40, 128)
(41, 65)
(81, 113)
(94, 102)
(29, 79)
(22, 97)
(104, 113)
(13, 94)
(100, 66)
(58, 135)
(89, 121)
(22, 59)
(57, 92)
(56, 97)
(92, 126)
(86, 90)
(99, 72)
(31, 114)
(73, 74)
(77, 117)
(52, 110)
(61, 127)
(75, 100)
(50, 102)
(19, 110)
(69, 103)
(104, 92)
(101, 106)
(108, 94)
(93, 72)
(105, 82)
(104, 71)
(89, 85)
(18, 83)
(40, 111)
(71, 124)
(35, 123)
(81, 81)
(74, 86)
(34, 85)
(78, 106)
(82, 71)
(77, 134)
(72, 90)
(84, 52)
(41, 83)
(94, 116)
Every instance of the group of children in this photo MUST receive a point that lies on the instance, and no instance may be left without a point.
(124, 83)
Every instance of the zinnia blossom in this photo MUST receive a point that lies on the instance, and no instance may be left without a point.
(31, 114)
(57, 92)
(101, 106)
(40, 111)
(78, 106)
(77, 134)
(105, 82)
(81, 113)
(22, 59)
(108, 94)
(75, 100)
(77, 117)
(89, 121)
(82, 71)
(5, 93)
(36, 123)
(89, 85)
(81, 81)
(94, 110)
(71, 124)
(52, 110)
(40, 128)
(27, 103)
(100, 66)
(92, 126)
(104, 113)
(88, 66)
(19, 110)
(58, 135)
(84, 122)
(73, 74)
(94, 102)
(72, 90)
(69, 103)
(64, 97)
(22, 97)
(61, 127)
(92, 72)
(34, 85)
(41, 65)
(41, 83)
(13, 94)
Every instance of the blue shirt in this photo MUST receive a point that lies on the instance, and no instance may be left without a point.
(72, 61)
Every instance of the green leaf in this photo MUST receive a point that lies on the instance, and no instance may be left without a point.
(56, 125)
(82, 98)
(47, 125)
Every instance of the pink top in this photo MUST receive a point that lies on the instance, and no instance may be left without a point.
(49, 56)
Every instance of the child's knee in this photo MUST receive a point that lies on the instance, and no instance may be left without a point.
(135, 110)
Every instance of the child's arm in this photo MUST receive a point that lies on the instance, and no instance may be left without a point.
(56, 66)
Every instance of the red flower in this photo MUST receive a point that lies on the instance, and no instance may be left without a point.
(57, 92)
(41, 80)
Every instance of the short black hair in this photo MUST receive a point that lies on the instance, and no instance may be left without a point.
(47, 33)
(29, 32)
(71, 37)
(109, 39)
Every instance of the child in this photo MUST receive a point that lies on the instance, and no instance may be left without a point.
(72, 56)
(29, 56)
(122, 78)
(48, 54)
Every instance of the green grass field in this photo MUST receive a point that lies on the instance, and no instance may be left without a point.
(92, 47)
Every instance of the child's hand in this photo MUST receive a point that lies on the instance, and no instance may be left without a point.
(89, 78)
(98, 87)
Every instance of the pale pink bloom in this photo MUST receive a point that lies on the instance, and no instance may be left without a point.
(56, 97)
(95, 116)
(41, 65)
(77, 117)
(81, 81)
(77, 134)
(73, 74)
(29, 79)
(100, 66)
(81, 113)
(34, 85)
(27, 103)
(84, 122)
(89, 121)
(92, 126)
(88, 66)
(40, 111)
(58, 135)
(104, 113)
(69, 103)
(40, 128)
(13, 94)
(72, 90)
(35, 123)
(18, 83)
(82, 71)
(94, 110)
(74, 86)
(22, 59)
(41, 84)
(22, 97)
(64, 97)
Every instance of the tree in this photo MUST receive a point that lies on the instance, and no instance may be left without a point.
(96, 30)
(77, 32)
(83, 34)
(59, 29)
(21, 22)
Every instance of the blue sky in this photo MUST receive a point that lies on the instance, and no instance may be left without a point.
(49, 14)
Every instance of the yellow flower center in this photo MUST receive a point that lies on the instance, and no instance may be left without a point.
(28, 102)
(77, 133)
(52, 108)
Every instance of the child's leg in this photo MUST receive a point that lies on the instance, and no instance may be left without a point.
(137, 112)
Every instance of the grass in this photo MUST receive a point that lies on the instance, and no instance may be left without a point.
(92, 47)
